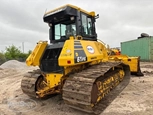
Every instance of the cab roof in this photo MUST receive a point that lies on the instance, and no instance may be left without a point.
(71, 6)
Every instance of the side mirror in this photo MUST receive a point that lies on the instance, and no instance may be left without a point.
(97, 16)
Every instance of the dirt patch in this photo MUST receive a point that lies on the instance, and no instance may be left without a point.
(135, 99)
(13, 64)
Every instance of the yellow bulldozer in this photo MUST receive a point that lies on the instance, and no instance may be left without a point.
(75, 64)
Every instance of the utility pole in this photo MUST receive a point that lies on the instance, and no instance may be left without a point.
(23, 47)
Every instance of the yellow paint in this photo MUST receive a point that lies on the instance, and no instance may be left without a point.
(72, 6)
(105, 86)
(64, 56)
(76, 54)
(133, 62)
(53, 79)
(98, 55)
(34, 57)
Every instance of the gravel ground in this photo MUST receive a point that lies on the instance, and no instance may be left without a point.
(135, 99)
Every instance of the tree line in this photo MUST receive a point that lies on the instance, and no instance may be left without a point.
(13, 53)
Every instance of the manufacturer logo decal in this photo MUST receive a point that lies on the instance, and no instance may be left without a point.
(90, 49)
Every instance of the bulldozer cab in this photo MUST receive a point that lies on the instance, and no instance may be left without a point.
(69, 21)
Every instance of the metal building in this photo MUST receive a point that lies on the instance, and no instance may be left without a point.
(142, 47)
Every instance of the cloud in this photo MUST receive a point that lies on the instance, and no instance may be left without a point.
(22, 21)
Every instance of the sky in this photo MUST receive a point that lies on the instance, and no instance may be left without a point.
(21, 21)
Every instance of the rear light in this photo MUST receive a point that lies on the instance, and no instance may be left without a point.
(68, 61)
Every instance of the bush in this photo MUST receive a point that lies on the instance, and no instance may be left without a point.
(12, 52)
(2, 58)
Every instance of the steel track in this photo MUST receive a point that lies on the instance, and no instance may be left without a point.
(77, 90)
(28, 82)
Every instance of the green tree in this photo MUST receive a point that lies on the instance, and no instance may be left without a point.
(12, 52)
(29, 52)
(23, 56)
(2, 58)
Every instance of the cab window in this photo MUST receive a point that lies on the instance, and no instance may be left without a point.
(64, 31)
(59, 31)
(86, 25)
